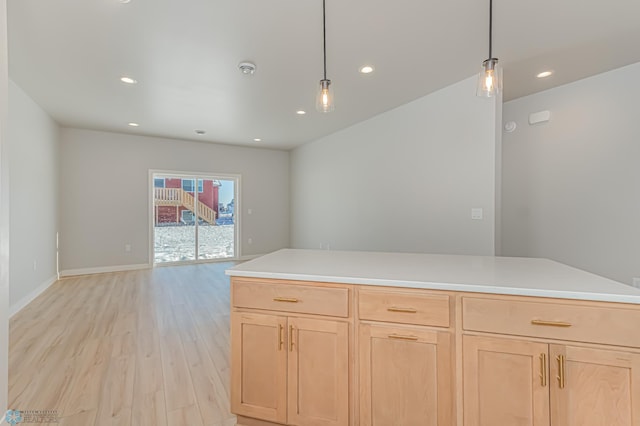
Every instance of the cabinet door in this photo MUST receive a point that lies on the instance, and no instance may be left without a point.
(318, 372)
(405, 376)
(505, 382)
(594, 387)
(259, 366)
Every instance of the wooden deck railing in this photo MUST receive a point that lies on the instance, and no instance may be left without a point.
(168, 196)
(180, 197)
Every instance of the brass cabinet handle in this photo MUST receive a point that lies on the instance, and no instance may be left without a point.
(561, 378)
(403, 310)
(402, 337)
(280, 336)
(285, 299)
(551, 323)
(291, 338)
(543, 369)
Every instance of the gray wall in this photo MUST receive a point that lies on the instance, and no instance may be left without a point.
(405, 180)
(33, 150)
(571, 187)
(104, 192)
(4, 212)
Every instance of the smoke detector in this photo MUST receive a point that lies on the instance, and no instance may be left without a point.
(247, 68)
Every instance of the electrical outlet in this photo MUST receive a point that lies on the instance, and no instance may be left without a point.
(127, 248)
(477, 213)
(636, 282)
(249, 240)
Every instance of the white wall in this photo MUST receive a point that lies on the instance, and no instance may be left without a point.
(571, 187)
(498, 180)
(4, 213)
(405, 180)
(104, 192)
(33, 149)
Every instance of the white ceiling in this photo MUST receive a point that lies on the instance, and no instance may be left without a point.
(69, 55)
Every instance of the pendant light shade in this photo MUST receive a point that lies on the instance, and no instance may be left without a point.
(490, 77)
(324, 100)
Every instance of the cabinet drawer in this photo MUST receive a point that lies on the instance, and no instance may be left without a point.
(303, 299)
(594, 324)
(404, 307)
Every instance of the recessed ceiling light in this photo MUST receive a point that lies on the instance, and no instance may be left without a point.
(200, 132)
(124, 1)
(367, 69)
(257, 140)
(128, 80)
(247, 68)
(134, 124)
(544, 74)
(301, 112)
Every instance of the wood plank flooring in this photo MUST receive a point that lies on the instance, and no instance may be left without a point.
(147, 347)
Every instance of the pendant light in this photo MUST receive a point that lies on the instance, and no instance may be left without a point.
(490, 77)
(324, 100)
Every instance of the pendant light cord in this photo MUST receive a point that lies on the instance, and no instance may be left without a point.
(490, 26)
(324, 38)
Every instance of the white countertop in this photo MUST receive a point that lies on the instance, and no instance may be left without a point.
(480, 274)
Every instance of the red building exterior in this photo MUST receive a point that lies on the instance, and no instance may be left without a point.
(205, 190)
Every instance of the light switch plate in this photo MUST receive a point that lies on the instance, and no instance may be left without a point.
(476, 214)
(636, 282)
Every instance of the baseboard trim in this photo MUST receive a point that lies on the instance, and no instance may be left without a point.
(17, 307)
(103, 269)
(120, 268)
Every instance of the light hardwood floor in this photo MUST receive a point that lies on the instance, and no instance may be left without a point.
(147, 347)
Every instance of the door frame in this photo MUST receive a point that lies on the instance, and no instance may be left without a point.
(237, 252)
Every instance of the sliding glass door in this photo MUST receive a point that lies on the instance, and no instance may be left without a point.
(193, 217)
(216, 238)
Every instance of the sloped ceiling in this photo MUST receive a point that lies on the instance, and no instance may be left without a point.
(69, 55)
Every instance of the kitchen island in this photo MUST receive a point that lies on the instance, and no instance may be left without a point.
(366, 338)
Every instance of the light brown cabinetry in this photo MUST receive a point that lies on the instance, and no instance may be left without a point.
(536, 383)
(594, 387)
(505, 382)
(551, 319)
(291, 298)
(324, 354)
(259, 370)
(405, 369)
(288, 369)
(405, 376)
(318, 375)
(404, 307)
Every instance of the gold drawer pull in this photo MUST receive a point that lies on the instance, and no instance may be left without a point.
(281, 336)
(404, 310)
(543, 369)
(561, 373)
(551, 323)
(402, 337)
(291, 343)
(285, 299)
